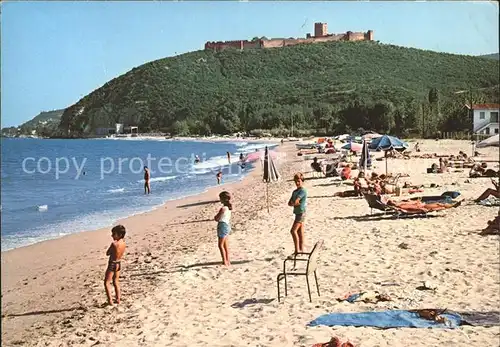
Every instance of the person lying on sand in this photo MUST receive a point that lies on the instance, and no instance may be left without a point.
(361, 186)
(490, 192)
(115, 253)
(417, 206)
(316, 166)
(481, 170)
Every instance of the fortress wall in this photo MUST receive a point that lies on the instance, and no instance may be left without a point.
(356, 36)
(282, 42)
(252, 44)
(273, 43)
(238, 44)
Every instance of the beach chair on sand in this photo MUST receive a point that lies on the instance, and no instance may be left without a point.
(311, 266)
(393, 180)
(375, 203)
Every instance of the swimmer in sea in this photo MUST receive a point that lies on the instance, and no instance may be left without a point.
(219, 177)
(196, 159)
(147, 186)
(228, 157)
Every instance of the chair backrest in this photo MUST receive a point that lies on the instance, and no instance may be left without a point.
(394, 180)
(312, 262)
(374, 202)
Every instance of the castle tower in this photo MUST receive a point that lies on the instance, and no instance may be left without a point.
(369, 35)
(320, 29)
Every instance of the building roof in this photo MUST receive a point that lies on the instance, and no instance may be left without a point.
(484, 106)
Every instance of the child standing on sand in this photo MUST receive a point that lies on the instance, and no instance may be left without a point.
(115, 253)
(298, 201)
(223, 219)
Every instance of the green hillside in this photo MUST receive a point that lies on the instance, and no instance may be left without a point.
(329, 87)
(45, 123)
(495, 56)
(44, 118)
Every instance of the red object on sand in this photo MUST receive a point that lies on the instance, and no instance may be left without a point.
(334, 342)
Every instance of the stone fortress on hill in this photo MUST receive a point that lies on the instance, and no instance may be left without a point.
(320, 35)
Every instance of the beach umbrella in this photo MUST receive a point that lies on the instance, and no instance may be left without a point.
(365, 161)
(270, 173)
(386, 143)
(254, 156)
(352, 146)
(493, 141)
(370, 136)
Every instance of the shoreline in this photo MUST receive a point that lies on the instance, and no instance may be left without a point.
(176, 294)
(86, 250)
(148, 209)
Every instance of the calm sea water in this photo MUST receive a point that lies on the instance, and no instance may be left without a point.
(102, 183)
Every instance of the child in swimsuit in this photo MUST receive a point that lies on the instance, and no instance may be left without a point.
(115, 253)
(219, 177)
(298, 201)
(223, 219)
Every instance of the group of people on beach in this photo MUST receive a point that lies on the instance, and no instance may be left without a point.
(116, 250)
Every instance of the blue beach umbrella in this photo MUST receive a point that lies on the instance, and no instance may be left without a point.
(386, 143)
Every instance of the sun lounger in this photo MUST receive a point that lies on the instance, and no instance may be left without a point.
(374, 202)
(446, 197)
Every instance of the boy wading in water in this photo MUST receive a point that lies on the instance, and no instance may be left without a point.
(298, 201)
(115, 253)
(223, 219)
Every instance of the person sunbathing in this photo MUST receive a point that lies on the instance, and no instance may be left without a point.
(493, 227)
(490, 192)
(346, 172)
(417, 206)
(443, 165)
(481, 170)
(316, 166)
(361, 184)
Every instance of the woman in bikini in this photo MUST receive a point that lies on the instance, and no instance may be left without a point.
(115, 253)
(417, 206)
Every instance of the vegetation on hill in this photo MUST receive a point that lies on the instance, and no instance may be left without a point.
(495, 56)
(333, 87)
(44, 124)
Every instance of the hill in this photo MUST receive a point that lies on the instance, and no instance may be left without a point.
(45, 123)
(43, 118)
(495, 56)
(328, 87)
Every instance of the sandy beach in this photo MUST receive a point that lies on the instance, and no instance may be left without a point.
(175, 293)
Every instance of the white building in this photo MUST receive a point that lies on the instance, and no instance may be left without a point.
(485, 118)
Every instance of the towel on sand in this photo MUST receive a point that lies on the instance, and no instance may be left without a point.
(386, 319)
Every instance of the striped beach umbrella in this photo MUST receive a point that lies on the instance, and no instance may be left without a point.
(270, 173)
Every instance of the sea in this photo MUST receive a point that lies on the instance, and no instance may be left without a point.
(52, 188)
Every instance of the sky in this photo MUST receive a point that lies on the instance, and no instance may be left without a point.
(54, 53)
